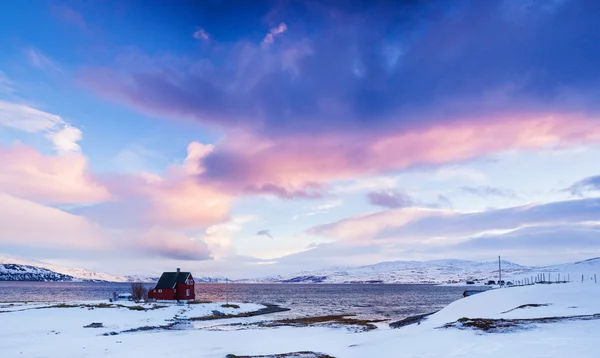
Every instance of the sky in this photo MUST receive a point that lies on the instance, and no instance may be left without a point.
(245, 139)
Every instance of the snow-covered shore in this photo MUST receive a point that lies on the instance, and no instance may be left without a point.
(29, 331)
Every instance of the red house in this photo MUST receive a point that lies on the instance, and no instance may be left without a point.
(173, 286)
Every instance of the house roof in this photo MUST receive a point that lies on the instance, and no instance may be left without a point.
(169, 279)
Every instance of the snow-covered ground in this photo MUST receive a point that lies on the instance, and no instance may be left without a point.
(59, 332)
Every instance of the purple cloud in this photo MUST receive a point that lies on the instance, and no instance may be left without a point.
(394, 64)
(587, 184)
(486, 191)
(390, 199)
(464, 224)
(431, 83)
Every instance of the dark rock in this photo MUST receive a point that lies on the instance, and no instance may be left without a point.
(94, 325)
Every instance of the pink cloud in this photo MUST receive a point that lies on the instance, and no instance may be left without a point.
(290, 165)
(42, 227)
(174, 245)
(24, 222)
(174, 199)
(270, 37)
(55, 179)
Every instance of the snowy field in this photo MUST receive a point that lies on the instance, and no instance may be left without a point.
(528, 321)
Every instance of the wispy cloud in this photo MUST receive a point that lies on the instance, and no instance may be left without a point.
(487, 191)
(70, 15)
(324, 208)
(6, 85)
(584, 185)
(392, 199)
(63, 135)
(41, 61)
(201, 34)
(266, 233)
(270, 37)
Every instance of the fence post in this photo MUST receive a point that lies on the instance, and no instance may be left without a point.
(581, 278)
(558, 278)
(595, 279)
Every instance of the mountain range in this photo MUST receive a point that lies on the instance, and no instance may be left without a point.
(435, 272)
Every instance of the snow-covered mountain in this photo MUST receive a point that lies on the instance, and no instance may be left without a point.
(14, 272)
(437, 271)
(35, 268)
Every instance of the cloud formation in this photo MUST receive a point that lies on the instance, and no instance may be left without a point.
(53, 179)
(371, 96)
(200, 34)
(173, 245)
(287, 167)
(175, 199)
(490, 191)
(392, 199)
(63, 135)
(584, 185)
(561, 228)
(274, 32)
(41, 61)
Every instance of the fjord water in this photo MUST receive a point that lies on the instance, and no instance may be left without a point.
(366, 300)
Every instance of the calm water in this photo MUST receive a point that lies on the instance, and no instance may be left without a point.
(374, 301)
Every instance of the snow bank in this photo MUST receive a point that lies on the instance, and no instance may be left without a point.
(561, 300)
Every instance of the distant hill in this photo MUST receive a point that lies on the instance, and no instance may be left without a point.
(435, 272)
(432, 272)
(22, 269)
(14, 272)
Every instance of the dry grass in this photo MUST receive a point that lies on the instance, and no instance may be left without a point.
(528, 306)
(511, 325)
(411, 320)
(302, 354)
(229, 305)
(332, 320)
(262, 311)
(151, 328)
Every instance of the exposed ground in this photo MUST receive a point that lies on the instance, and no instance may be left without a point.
(511, 325)
(304, 354)
(265, 310)
(411, 320)
(347, 321)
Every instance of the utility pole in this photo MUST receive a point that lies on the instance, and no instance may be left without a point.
(499, 272)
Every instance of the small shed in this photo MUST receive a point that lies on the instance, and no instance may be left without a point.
(173, 286)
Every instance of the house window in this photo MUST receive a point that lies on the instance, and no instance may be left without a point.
(187, 292)
(159, 291)
(174, 290)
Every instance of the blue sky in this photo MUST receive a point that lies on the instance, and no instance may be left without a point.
(250, 138)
